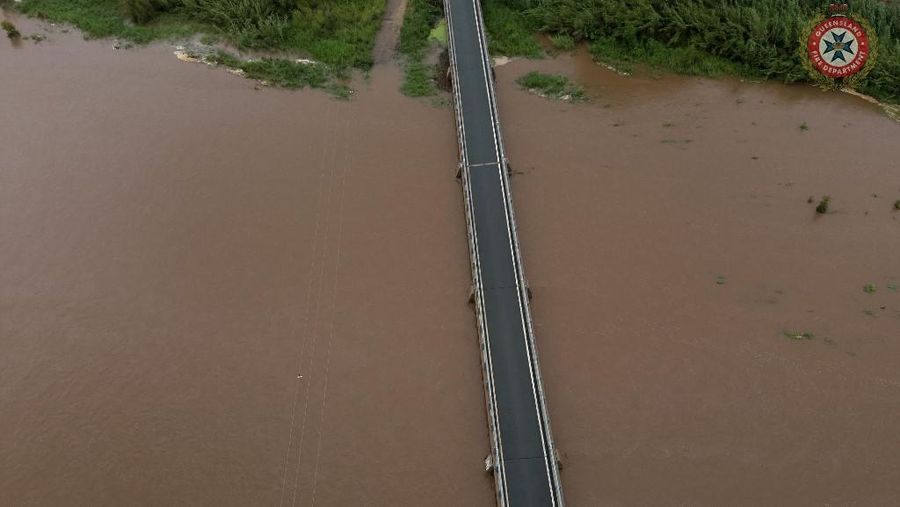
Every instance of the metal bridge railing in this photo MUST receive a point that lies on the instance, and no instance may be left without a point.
(487, 368)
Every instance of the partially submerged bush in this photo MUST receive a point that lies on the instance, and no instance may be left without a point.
(562, 41)
(553, 86)
(823, 205)
(799, 335)
(11, 31)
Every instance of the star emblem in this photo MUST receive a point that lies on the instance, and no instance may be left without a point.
(838, 46)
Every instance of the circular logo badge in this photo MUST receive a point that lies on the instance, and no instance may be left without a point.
(838, 47)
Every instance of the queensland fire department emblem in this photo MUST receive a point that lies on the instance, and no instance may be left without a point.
(840, 49)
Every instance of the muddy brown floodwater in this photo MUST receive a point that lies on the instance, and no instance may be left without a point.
(216, 295)
(669, 246)
(177, 247)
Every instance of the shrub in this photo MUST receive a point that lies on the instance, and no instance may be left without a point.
(562, 41)
(11, 31)
(823, 205)
(551, 85)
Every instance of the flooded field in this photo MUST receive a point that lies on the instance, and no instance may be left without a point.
(215, 295)
(670, 247)
(212, 294)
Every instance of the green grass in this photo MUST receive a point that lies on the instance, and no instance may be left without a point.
(511, 33)
(107, 18)
(340, 33)
(553, 86)
(439, 33)
(285, 73)
(870, 288)
(419, 24)
(681, 60)
(418, 80)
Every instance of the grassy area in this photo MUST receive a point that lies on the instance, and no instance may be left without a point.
(511, 31)
(562, 42)
(682, 60)
(284, 73)
(340, 33)
(552, 86)
(108, 18)
(415, 40)
(753, 38)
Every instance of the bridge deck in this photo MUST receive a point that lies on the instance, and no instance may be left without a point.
(526, 472)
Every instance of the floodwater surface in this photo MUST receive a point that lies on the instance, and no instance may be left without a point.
(670, 246)
(216, 295)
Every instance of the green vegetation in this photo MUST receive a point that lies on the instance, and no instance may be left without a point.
(11, 31)
(415, 41)
(683, 60)
(870, 288)
(440, 34)
(804, 127)
(752, 38)
(552, 86)
(339, 33)
(418, 80)
(897, 205)
(799, 335)
(107, 18)
(823, 205)
(284, 73)
(562, 42)
(511, 31)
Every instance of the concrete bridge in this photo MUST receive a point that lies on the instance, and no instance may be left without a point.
(523, 455)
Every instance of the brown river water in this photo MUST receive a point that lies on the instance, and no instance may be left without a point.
(217, 295)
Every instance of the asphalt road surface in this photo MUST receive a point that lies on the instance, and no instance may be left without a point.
(526, 472)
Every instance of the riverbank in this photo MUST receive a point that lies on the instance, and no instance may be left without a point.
(339, 34)
(276, 43)
(757, 39)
